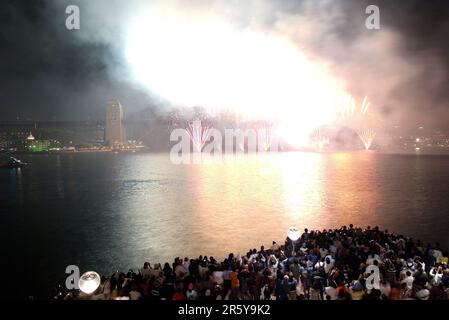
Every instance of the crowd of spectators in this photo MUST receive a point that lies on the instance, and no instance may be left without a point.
(338, 264)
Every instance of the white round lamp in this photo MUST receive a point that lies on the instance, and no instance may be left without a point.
(89, 282)
(293, 234)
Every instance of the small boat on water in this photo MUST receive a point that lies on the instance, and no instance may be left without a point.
(13, 163)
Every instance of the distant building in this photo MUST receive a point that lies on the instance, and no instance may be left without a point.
(35, 145)
(115, 135)
(39, 145)
(439, 139)
(14, 139)
(30, 137)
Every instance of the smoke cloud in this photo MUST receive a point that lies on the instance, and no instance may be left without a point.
(402, 68)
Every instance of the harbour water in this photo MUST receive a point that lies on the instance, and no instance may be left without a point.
(106, 212)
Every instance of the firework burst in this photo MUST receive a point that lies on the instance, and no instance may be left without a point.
(198, 134)
(321, 140)
(264, 138)
(367, 138)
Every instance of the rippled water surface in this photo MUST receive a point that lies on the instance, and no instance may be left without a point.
(107, 212)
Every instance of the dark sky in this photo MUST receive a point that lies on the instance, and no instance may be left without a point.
(48, 72)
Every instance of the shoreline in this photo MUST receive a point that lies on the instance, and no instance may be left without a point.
(147, 150)
(65, 152)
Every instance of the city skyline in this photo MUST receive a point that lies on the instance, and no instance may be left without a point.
(114, 131)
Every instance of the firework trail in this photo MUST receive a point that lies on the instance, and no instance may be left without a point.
(198, 135)
(367, 138)
(347, 107)
(264, 138)
(321, 140)
(344, 108)
(365, 105)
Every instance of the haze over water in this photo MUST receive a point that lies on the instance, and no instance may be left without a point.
(106, 212)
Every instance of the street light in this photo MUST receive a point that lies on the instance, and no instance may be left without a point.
(89, 282)
(293, 235)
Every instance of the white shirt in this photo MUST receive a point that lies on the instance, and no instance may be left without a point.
(408, 281)
(371, 259)
(252, 257)
(218, 277)
(331, 292)
(191, 295)
(271, 265)
(436, 277)
(186, 265)
(328, 266)
(423, 294)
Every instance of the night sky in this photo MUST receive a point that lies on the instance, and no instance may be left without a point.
(48, 72)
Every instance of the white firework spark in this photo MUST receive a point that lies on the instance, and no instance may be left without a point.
(348, 107)
(264, 138)
(198, 134)
(367, 138)
(321, 140)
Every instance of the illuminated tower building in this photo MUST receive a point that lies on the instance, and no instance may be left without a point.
(115, 136)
